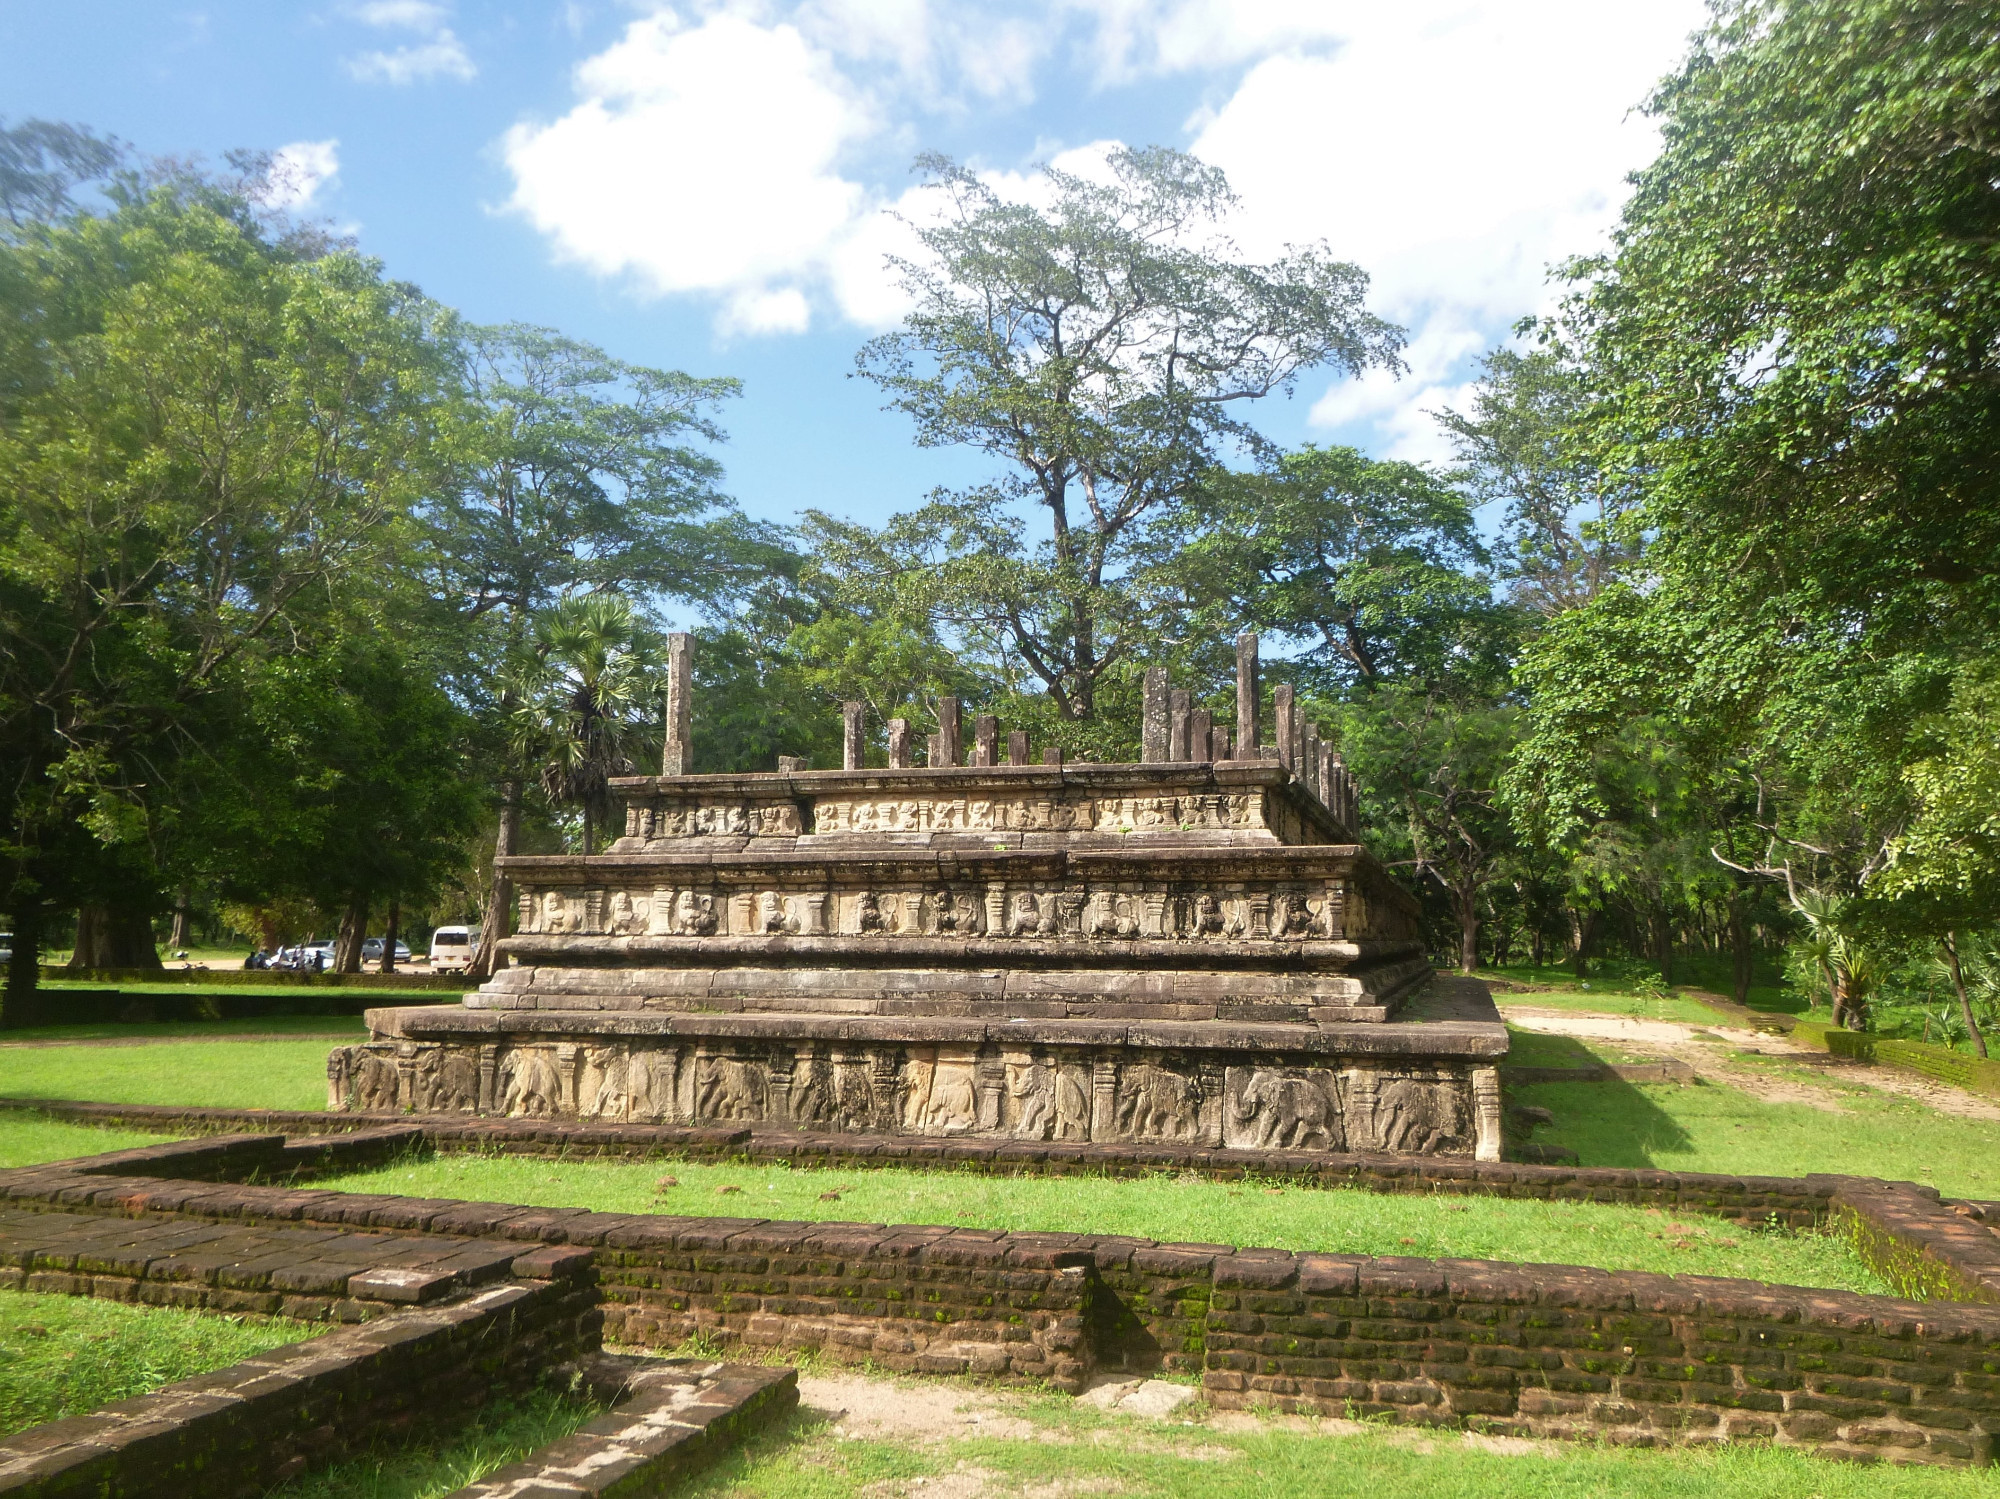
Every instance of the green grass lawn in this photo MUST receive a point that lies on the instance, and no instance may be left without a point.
(1676, 1008)
(497, 1435)
(1054, 1447)
(1170, 1208)
(63, 1355)
(1713, 1127)
(221, 1074)
(30, 1139)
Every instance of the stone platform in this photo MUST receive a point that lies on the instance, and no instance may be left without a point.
(1190, 951)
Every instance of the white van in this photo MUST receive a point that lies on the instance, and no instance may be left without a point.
(451, 949)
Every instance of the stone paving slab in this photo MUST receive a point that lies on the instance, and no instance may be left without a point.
(385, 1268)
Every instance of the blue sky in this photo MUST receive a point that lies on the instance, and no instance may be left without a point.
(707, 186)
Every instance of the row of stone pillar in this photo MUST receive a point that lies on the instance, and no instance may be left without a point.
(1174, 730)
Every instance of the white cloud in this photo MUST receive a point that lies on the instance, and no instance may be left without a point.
(298, 172)
(437, 53)
(702, 159)
(1454, 151)
(749, 151)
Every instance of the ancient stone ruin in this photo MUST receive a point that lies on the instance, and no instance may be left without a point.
(1193, 949)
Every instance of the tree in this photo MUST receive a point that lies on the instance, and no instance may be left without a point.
(1523, 446)
(1375, 568)
(1101, 348)
(42, 162)
(588, 705)
(202, 432)
(572, 472)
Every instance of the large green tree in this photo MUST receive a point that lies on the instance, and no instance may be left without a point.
(1789, 358)
(1100, 343)
(202, 430)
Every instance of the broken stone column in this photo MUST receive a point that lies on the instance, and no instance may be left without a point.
(678, 760)
(1219, 743)
(934, 751)
(986, 740)
(791, 764)
(1052, 755)
(950, 732)
(1201, 733)
(1309, 761)
(1153, 726)
(1283, 712)
(899, 744)
(1017, 746)
(1246, 694)
(1180, 703)
(850, 736)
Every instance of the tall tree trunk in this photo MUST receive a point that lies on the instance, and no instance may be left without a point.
(1663, 946)
(1583, 930)
(177, 939)
(389, 933)
(1740, 954)
(89, 949)
(1468, 933)
(1535, 944)
(353, 928)
(1958, 983)
(501, 905)
(24, 968)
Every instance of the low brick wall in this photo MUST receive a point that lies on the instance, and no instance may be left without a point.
(243, 1429)
(1638, 1359)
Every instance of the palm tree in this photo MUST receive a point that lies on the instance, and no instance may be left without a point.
(586, 703)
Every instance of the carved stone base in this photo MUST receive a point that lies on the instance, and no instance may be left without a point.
(1426, 1084)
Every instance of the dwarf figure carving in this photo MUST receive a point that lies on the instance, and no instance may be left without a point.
(1026, 915)
(694, 915)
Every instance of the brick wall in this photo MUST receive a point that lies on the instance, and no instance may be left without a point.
(242, 1429)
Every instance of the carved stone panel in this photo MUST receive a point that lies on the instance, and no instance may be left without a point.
(1157, 1102)
(1425, 1112)
(1283, 1108)
(940, 1091)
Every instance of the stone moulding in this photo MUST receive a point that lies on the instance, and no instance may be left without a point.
(1185, 953)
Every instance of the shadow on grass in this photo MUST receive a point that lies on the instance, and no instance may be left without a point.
(1609, 1123)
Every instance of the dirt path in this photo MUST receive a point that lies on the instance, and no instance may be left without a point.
(1708, 1049)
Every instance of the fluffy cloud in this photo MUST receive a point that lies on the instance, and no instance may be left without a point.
(435, 53)
(702, 159)
(298, 172)
(746, 151)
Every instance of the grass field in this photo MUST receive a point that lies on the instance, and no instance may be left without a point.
(218, 1074)
(498, 1435)
(1052, 1447)
(1187, 1209)
(63, 1355)
(30, 1139)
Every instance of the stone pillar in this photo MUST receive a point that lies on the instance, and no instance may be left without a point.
(1310, 759)
(679, 757)
(934, 751)
(950, 733)
(791, 764)
(986, 740)
(1052, 755)
(1246, 694)
(1486, 1144)
(850, 736)
(1201, 736)
(1219, 744)
(1330, 790)
(1360, 1120)
(1282, 710)
(1180, 703)
(1153, 726)
(1017, 746)
(899, 744)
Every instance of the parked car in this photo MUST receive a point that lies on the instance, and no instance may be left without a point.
(451, 949)
(371, 951)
